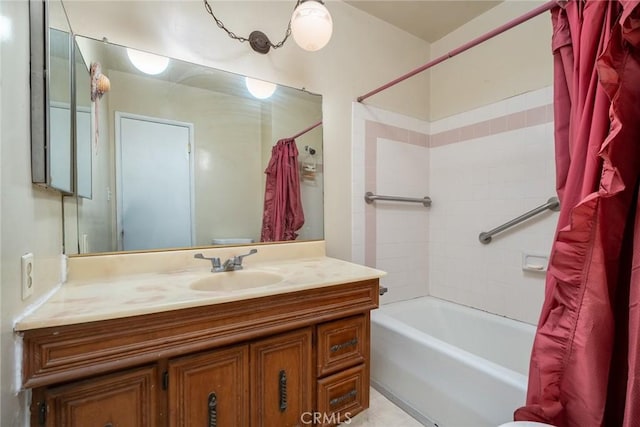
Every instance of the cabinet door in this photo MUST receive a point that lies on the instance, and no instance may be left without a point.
(126, 399)
(282, 381)
(210, 389)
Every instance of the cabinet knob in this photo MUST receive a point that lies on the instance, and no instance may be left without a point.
(108, 425)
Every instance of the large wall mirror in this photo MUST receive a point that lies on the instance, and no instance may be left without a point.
(175, 157)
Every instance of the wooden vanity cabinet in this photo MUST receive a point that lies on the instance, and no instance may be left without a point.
(285, 360)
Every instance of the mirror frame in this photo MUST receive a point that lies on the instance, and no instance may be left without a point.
(40, 98)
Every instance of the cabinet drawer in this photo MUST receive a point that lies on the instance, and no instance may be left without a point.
(341, 396)
(341, 344)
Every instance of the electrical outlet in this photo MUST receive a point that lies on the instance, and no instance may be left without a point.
(27, 275)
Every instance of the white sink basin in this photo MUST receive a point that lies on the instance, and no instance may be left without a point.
(235, 280)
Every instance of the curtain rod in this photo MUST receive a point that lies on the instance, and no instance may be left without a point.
(306, 130)
(517, 21)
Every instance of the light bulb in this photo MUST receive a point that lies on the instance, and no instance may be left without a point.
(259, 88)
(311, 25)
(146, 62)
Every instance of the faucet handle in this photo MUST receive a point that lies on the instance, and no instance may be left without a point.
(215, 261)
(237, 260)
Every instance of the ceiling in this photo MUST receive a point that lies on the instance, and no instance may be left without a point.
(429, 20)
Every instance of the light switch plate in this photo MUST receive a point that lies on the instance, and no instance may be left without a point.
(27, 275)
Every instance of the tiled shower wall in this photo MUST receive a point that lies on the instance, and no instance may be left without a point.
(481, 168)
(391, 157)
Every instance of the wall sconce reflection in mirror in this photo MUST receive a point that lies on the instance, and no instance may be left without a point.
(260, 89)
(310, 24)
(148, 63)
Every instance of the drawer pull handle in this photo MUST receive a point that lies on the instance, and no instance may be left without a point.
(340, 399)
(338, 347)
(213, 410)
(283, 390)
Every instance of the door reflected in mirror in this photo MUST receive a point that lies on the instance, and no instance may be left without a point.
(177, 158)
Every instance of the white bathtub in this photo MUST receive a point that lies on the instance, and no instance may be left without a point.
(449, 365)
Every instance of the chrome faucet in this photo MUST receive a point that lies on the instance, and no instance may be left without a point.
(232, 264)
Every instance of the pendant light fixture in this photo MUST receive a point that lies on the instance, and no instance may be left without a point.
(310, 24)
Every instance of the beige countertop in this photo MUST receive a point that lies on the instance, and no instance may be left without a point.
(87, 298)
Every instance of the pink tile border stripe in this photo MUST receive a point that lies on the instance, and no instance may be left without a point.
(532, 117)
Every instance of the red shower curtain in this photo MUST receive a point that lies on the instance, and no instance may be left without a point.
(282, 215)
(585, 366)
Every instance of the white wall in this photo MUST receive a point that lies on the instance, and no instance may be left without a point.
(31, 217)
(511, 63)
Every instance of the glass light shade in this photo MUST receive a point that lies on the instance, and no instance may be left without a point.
(148, 63)
(259, 88)
(311, 25)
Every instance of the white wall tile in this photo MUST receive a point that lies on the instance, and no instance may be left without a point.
(477, 185)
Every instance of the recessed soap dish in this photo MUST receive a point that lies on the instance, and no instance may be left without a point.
(534, 262)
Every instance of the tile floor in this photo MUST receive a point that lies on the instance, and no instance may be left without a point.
(382, 413)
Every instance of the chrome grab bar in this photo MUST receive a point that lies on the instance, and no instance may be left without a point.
(553, 204)
(369, 197)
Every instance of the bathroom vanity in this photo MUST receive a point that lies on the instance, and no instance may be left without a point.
(167, 354)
